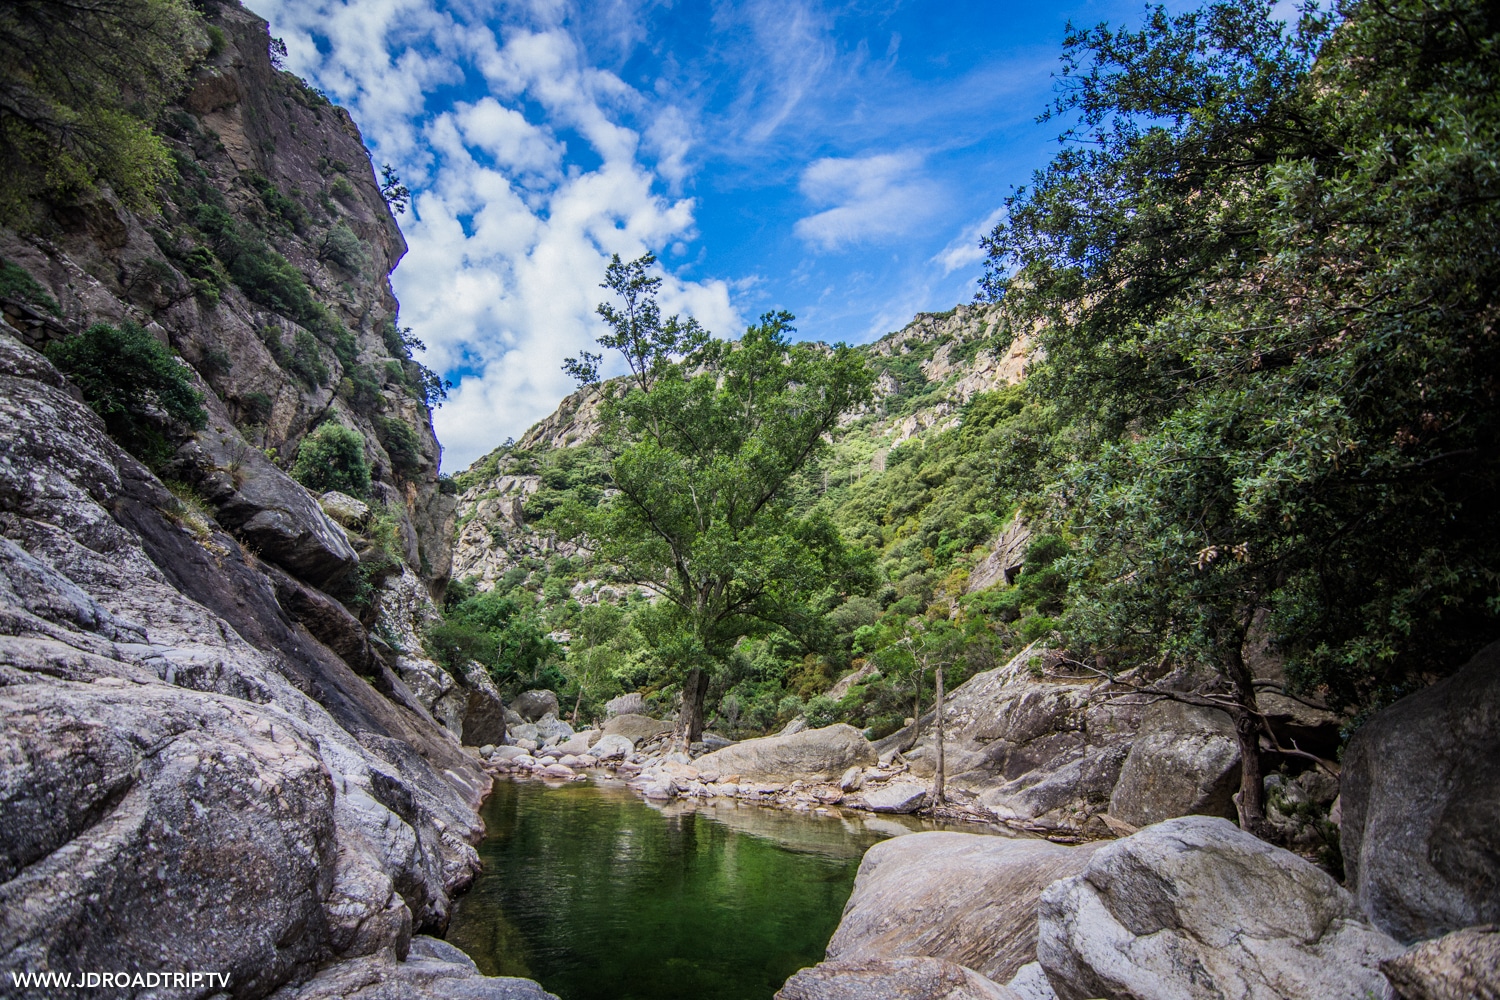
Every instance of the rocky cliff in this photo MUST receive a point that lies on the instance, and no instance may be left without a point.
(223, 751)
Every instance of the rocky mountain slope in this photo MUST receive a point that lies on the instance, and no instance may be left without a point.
(223, 748)
(927, 371)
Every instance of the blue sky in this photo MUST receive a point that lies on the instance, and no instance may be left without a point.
(837, 159)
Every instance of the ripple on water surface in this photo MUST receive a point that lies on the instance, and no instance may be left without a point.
(600, 896)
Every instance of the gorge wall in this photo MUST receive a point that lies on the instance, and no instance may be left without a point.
(223, 749)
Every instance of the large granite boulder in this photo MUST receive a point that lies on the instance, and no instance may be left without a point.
(1185, 761)
(890, 978)
(532, 705)
(964, 897)
(266, 507)
(810, 755)
(484, 716)
(1420, 829)
(1196, 908)
(1464, 965)
(625, 704)
(635, 728)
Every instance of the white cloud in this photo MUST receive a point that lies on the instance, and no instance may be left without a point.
(507, 241)
(964, 251)
(511, 141)
(872, 198)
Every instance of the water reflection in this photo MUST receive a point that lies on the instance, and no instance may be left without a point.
(600, 895)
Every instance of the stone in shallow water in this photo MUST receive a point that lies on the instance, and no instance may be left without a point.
(433, 970)
(895, 797)
(611, 747)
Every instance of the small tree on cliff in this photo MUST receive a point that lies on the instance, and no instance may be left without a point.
(704, 437)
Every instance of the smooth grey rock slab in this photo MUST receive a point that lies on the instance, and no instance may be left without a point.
(965, 897)
(1197, 909)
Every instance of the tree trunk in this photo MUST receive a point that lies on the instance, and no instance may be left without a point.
(1250, 801)
(694, 691)
(939, 794)
(577, 707)
(916, 717)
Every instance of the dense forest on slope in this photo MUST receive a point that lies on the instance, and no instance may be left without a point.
(1260, 411)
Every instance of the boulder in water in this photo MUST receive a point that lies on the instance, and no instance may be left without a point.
(965, 897)
(810, 755)
(895, 797)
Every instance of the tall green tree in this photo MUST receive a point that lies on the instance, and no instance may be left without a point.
(81, 83)
(1268, 267)
(704, 437)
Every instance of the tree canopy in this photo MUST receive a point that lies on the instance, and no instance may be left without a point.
(1266, 271)
(80, 86)
(704, 438)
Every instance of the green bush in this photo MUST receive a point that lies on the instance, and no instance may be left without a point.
(341, 246)
(401, 443)
(127, 377)
(17, 284)
(333, 458)
(306, 361)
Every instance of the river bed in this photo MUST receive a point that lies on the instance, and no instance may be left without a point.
(599, 895)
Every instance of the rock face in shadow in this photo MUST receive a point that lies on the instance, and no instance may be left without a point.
(1421, 806)
(810, 755)
(1196, 908)
(888, 978)
(1185, 761)
(964, 897)
(192, 780)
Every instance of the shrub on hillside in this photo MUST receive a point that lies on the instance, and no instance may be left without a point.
(135, 384)
(333, 458)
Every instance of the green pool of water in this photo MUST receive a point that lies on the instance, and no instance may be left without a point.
(597, 894)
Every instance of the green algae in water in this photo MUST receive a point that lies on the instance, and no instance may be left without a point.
(599, 896)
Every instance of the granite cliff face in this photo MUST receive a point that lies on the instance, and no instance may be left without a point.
(222, 748)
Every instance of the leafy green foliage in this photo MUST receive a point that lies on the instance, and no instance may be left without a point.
(401, 443)
(333, 458)
(396, 194)
(503, 635)
(286, 213)
(703, 442)
(82, 83)
(343, 248)
(132, 382)
(306, 360)
(16, 284)
(1304, 348)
